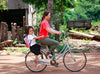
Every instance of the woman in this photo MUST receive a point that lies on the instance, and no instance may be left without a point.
(44, 29)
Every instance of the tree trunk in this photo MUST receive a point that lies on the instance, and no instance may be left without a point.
(50, 9)
(80, 35)
(57, 28)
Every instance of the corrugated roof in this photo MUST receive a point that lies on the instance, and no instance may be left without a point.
(16, 4)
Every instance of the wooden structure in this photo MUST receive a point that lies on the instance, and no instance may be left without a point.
(3, 31)
(7, 37)
(96, 36)
(16, 10)
(4, 35)
(79, 24)
(80, 35)
(17, 32)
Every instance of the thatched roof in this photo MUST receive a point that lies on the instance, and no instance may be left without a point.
(16, 4)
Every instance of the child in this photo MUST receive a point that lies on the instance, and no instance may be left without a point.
(35, 48)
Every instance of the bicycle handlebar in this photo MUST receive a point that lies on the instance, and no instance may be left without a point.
(63, 35)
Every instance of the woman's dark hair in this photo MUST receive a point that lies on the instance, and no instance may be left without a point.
(45, 14)
(27, 31)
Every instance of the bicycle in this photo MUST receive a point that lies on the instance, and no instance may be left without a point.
(74, 59)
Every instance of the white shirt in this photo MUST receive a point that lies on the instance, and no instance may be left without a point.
(31, 40)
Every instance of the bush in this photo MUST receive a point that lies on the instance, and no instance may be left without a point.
(60, 47)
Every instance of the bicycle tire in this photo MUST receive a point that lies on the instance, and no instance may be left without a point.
(30, 62)
(74, 60)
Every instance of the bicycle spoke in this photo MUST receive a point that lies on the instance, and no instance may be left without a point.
(31, 63)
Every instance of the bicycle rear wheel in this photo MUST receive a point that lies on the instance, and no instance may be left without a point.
(30, 62)
(74, 60)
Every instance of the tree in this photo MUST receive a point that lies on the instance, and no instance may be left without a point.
(50, 9)
(3, 4)
(91, 8)
(59, 6)
(37, 3)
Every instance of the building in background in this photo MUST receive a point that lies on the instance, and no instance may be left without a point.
(15, 13)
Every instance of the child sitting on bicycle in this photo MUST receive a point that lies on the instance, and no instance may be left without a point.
(34, 47)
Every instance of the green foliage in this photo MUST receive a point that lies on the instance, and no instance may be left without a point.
(37, 3)
(85, 31)
(3, 4)
(60, 47)
(91, 8)
(94, 23)
(10, 50)
(23, 50)
(15, 42)
(95, 32)
(59, 6)
(38, 20)
(86, 40)
(86, 50)
(53, 36)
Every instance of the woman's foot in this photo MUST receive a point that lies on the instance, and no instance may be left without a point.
(57, 64)
(49, 54)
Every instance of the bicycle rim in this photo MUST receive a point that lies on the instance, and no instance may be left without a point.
(30, 62)
(74, 60)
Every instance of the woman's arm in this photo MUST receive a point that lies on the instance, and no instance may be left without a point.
(50, 30)
(38, 37)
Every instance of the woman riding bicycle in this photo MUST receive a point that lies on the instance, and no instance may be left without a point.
(73, 58)
(44, 29)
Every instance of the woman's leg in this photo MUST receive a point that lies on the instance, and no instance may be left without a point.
(52, 44)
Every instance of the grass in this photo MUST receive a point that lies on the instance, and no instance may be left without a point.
(95, 23)
(86, 40)
(85, 31)
(23, 50)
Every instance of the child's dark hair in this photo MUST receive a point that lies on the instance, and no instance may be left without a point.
(45, 14)
(28, 29)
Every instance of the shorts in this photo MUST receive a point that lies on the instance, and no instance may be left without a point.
(35, 49)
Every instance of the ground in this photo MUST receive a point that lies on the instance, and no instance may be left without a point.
(14, 63)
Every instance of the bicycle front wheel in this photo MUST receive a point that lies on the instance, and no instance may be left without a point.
(31, 64)
(74, 60)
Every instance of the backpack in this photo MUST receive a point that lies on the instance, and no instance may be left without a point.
(27, 43)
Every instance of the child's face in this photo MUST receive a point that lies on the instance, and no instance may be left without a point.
(30, 31)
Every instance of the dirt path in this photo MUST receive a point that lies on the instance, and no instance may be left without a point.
(14, 64)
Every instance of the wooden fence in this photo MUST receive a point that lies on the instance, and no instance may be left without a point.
(3, 31)
(79, 24)
(16, 33)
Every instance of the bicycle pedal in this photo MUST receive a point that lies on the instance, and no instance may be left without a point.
(50, 55)
(57, 64)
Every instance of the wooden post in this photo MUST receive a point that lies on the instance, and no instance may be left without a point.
(21, 34)
(9, 35)
(13, 31)
(0, 31)
(18, 33)
(2, 36)
(5, 31)
(24, 21)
